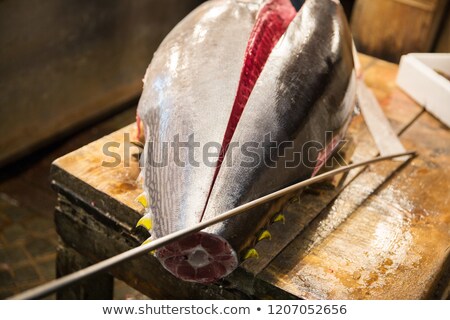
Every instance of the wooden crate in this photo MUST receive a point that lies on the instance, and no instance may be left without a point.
(388, 29)
(443, 41)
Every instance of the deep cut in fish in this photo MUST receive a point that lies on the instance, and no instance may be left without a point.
(234, 72)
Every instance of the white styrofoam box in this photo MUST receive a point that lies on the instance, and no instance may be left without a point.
(418, 78)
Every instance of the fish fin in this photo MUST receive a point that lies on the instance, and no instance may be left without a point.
(138, 144)
(148, 241)
(145, 221)
(140, 148)
(279, 218)
(265, 234)
(251, 253)
(140, 178)
(142, 199)
(136, 156)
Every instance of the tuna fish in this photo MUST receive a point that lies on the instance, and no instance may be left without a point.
(246, 73)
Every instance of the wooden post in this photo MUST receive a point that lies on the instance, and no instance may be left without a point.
(98, 287)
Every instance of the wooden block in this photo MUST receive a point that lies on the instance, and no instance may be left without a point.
(111, 187)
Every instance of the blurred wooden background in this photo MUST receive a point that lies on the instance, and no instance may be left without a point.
(65, 63)
(388, 29)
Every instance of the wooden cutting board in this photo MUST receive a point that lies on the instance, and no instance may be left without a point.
(383, 233)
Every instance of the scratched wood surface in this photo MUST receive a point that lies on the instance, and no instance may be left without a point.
(383, 233)
(388, 241)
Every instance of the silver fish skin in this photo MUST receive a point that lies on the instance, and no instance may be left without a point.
(189, 88)
(306, 88)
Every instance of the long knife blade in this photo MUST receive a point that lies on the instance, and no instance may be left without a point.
(384, 136)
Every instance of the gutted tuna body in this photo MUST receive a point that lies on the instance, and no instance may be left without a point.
(256, 81)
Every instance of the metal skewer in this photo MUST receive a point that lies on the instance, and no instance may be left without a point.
(57, 284)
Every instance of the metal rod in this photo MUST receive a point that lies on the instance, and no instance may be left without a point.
(57, 284)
